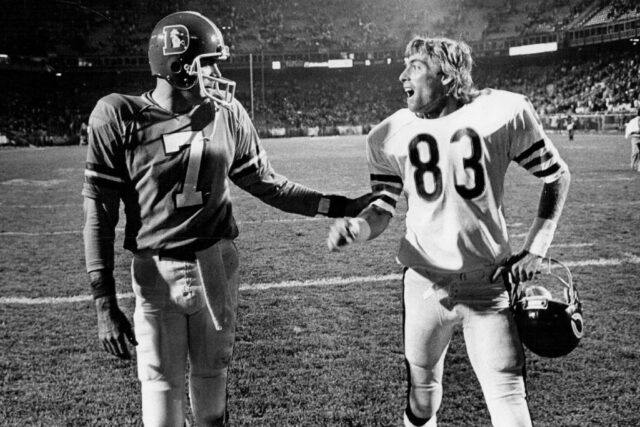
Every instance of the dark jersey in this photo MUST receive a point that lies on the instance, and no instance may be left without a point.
(171, 170)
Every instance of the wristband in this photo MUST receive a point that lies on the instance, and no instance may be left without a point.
(103, 286)
(359, 229)
(332, 206)
(540, 236)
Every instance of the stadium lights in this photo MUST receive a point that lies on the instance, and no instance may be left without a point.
(533, 48)
(275, 65)
(367, 62)
(340, 63)
(316, 64)
(331, 63)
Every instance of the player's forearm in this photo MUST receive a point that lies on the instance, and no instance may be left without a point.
(292, 197)
(543, 229)
(99, 234)
(377, 220)
(553, 197)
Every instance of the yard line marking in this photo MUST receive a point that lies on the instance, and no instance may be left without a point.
(629, 258)
(612, 179)
(572, 245)
(48, 233)
(319, 282)
(60, 205)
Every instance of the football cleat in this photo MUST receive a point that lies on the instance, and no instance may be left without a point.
(548, 311)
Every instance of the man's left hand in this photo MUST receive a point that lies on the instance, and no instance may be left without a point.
(522, 266)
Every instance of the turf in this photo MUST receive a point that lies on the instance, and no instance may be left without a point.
(330, 354)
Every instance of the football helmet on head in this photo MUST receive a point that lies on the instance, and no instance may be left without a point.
(181, 45)
(548, 326)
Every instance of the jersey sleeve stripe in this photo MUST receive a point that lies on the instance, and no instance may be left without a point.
(102, 169)
(102, 181)
(388, 199)
(538, 161)
(397, 190)
(245, 166)
(386, 178)
(548, 171)
(529, 151)
(102, 176)
(382, 204)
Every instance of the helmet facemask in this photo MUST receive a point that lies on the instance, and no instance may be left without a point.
(219, 90)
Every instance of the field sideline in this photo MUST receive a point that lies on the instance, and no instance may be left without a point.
(319, 340)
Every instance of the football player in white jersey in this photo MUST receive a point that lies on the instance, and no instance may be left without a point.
(168, 154)
(449, 152)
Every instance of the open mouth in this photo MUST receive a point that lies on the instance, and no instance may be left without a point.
(408, 92)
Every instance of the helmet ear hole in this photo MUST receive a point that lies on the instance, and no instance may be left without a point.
(175, 67)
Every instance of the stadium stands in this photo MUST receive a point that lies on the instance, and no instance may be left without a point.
(45, 108)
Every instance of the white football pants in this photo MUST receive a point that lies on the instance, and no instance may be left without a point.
(433, 308)
(172, 322)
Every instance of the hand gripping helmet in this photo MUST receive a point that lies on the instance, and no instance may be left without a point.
(548, 326)
(181, 44)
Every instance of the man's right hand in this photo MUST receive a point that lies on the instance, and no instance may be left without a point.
(114, 329)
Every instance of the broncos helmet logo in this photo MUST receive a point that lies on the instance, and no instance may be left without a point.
(176, 39)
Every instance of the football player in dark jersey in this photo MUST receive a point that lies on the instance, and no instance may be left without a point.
(167, 155)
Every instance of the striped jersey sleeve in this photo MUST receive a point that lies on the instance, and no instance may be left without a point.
(532, 149)
(104, 173)
(250, 165)
(252, 171)
(386, 179)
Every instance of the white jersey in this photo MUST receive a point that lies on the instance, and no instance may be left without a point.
(633, 128)
(452, 172)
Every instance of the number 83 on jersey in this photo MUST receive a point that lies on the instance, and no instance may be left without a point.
(466, 160)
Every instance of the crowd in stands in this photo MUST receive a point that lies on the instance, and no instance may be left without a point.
(303, 98)
(607, 83)
(32, 115)
(621, 8)
(54, 111)
(118, 27)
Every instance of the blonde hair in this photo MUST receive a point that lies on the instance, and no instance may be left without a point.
(454, 58)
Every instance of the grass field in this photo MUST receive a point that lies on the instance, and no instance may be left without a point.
(319, 339)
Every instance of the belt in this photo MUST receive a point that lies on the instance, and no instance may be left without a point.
(466, 276)
(179, 254)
